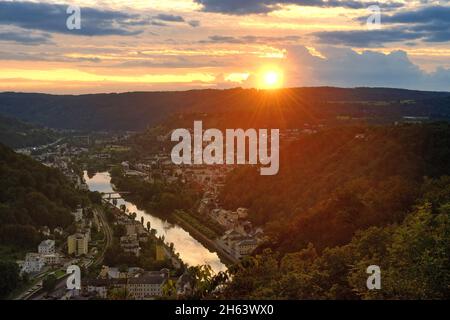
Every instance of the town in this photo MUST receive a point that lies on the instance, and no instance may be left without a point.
(109, 225)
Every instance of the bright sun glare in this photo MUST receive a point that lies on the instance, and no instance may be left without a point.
(271, 79)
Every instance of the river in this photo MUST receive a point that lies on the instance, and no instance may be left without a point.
(191, 251)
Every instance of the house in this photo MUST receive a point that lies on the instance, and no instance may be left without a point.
(58, 231)
(148, 285)
(131, 247)
(77, 244)
(34, 262)
(45, 231)
(225, 218)
(78, 215)
(51, 259)
(47, 247)
(245, 247)
(230, 238)
(115, 273)
(87, 232)
(130, 244)
(133, 227)
(97, 287)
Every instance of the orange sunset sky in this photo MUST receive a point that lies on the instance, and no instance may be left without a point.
(187, 44)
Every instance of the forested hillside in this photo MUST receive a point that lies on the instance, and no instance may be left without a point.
(341, 180)
(32, 196)
(345, 199)
(138, 110)
(17, 134)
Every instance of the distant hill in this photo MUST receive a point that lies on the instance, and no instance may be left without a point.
(138, 110)
(17, 134)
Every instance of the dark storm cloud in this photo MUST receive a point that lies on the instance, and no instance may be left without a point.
(242, 7)
(52, 18)
(432, 23)
(429, 24)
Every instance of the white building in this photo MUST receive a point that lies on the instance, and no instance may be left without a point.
(47, 247)
(51, 259)
(34, 262)
(245, 247)
(148, 285)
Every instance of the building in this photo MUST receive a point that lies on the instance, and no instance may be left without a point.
(47, 247)
(245, 247)
(58, 231)
(97, 287)
(45, 231)
(51, 259)
(78, 214)
(133, 227)
(115, 273)
(160, 253)
(148, 285)
(77, 244)
(230, 238)
(34, 262)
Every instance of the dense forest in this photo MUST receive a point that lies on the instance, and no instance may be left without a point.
(413, 258)
(17, 134)
(32, 196)
(352, 197)
(136, 111)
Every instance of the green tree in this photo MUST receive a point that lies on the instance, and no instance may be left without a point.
(9, 277)
(49, 283)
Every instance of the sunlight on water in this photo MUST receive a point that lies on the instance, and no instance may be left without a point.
(191, 251)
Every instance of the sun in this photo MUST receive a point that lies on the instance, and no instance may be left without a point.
(271, 79)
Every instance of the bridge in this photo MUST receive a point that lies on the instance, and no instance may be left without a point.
(114, 195)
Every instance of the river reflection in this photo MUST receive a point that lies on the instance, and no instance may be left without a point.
(191, 251)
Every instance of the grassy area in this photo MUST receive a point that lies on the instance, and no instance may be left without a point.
(59, 273)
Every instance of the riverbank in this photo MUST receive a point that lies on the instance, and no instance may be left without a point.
(191, 251)
(224, 256)
(197, 234)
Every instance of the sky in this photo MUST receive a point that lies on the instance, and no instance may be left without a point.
(153, 45)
